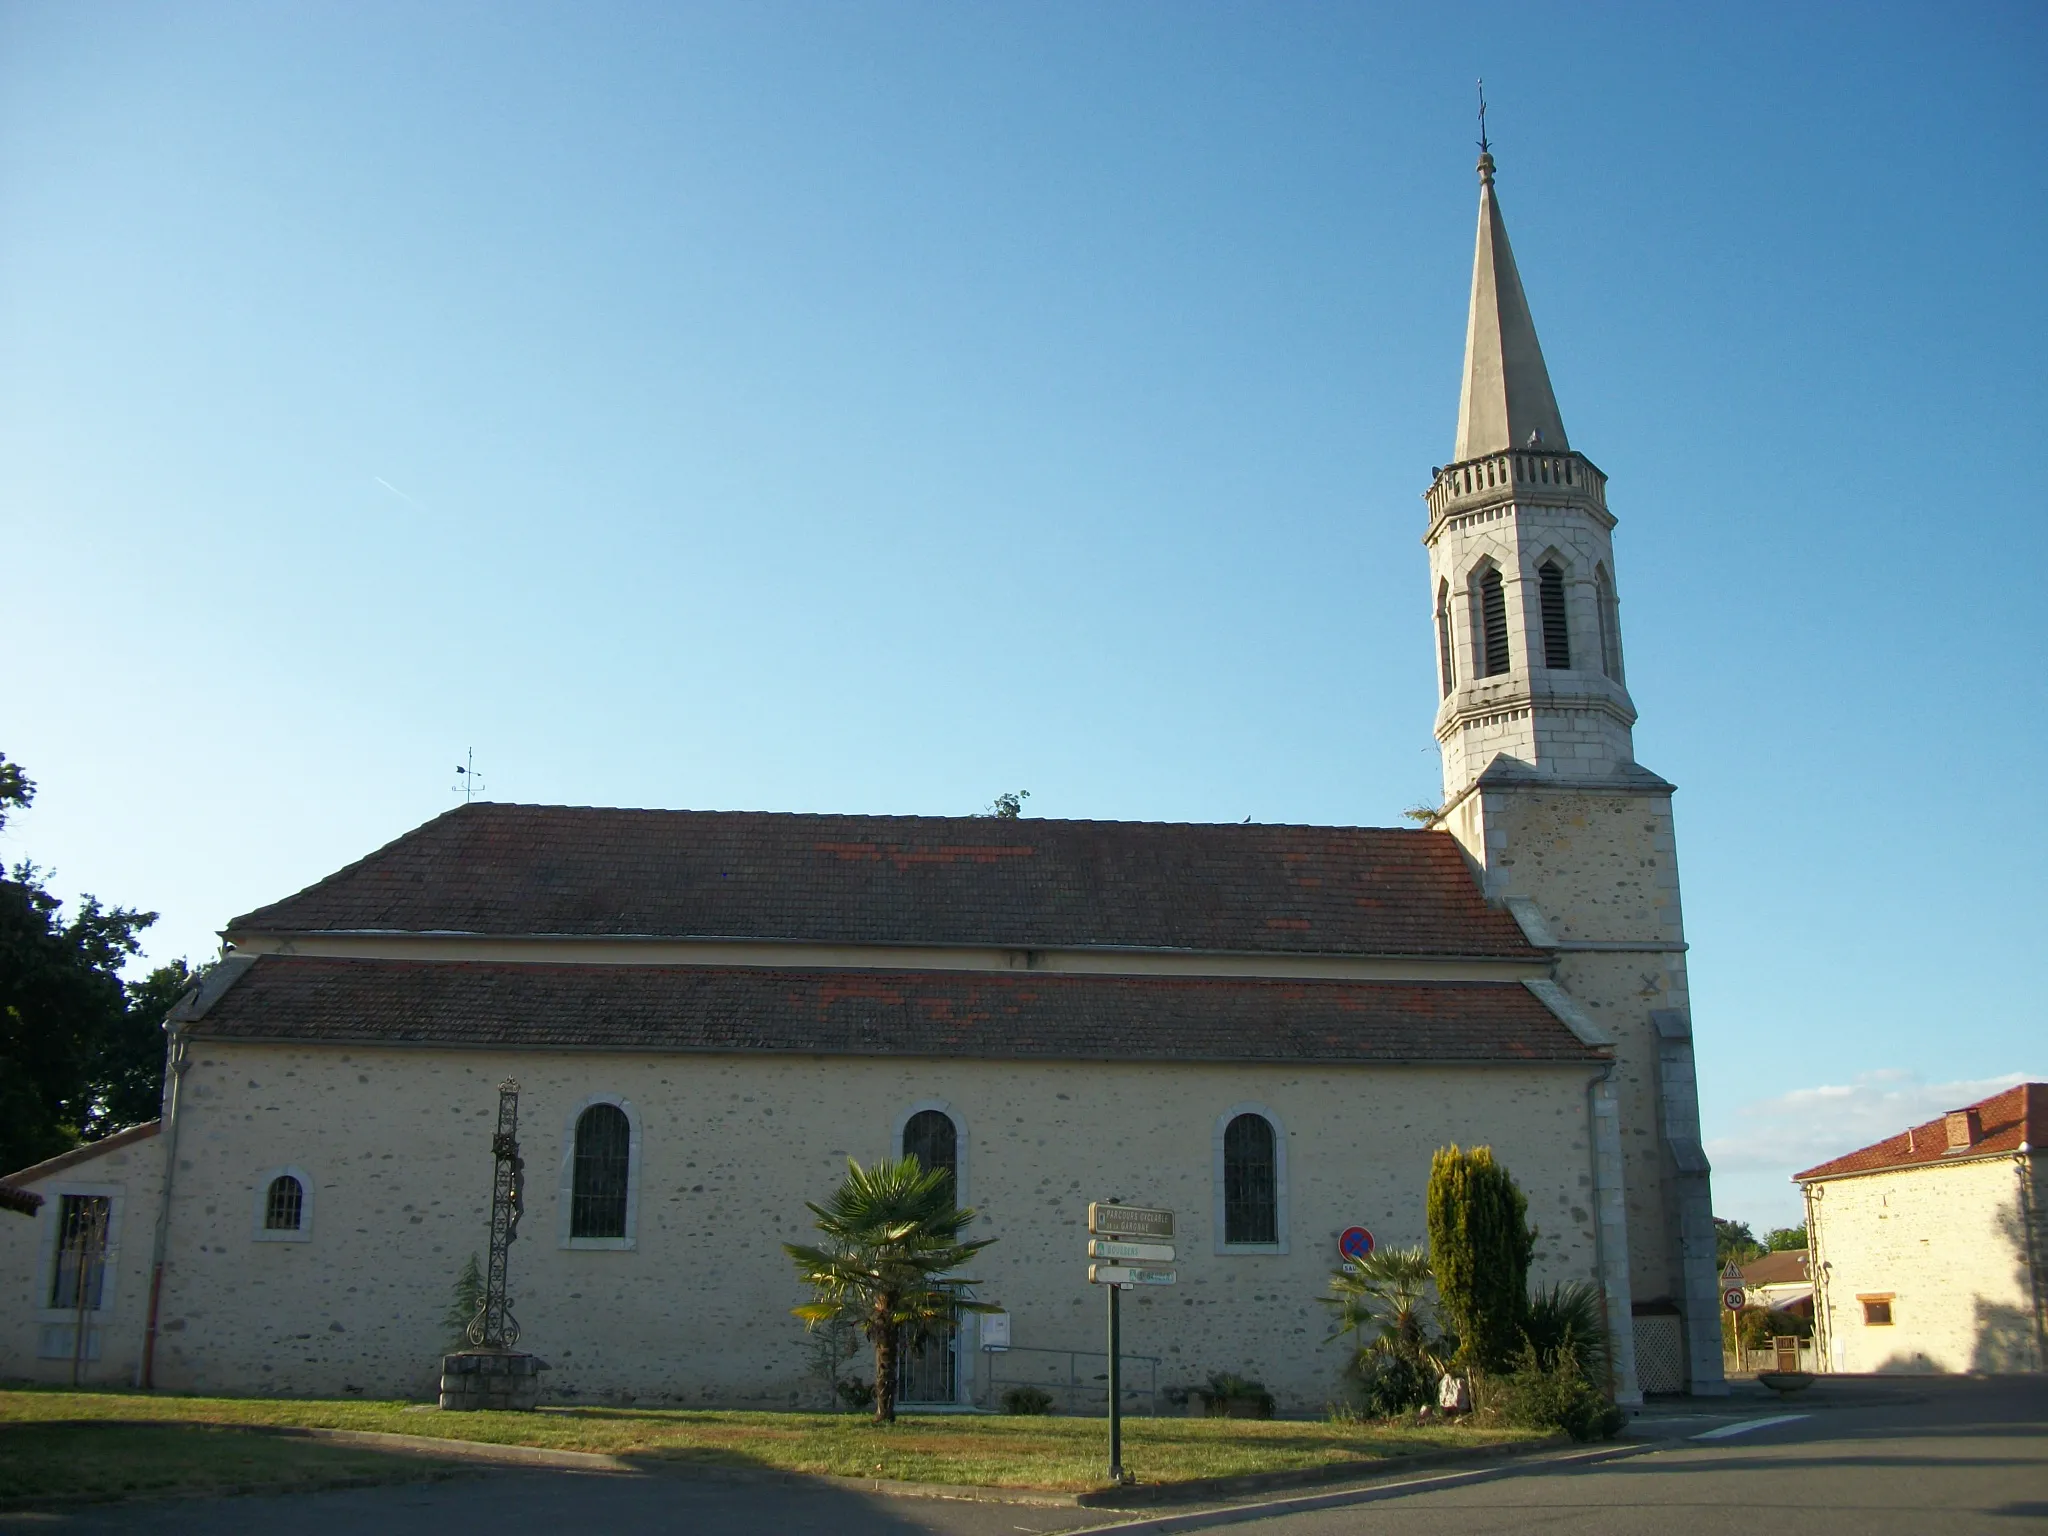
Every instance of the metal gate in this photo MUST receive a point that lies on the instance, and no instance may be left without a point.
(929, 1370)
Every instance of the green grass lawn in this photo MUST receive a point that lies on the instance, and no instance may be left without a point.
(40, 1461)
(1004, 1452)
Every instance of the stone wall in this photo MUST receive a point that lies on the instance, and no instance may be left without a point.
(696, 1311)
(1945, 1244)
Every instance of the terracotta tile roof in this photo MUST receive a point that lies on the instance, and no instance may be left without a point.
(1028, 884)
(2002, 1123)
(25, 1201)
(1787, 1267)
(84, 1152)
(926, 1013)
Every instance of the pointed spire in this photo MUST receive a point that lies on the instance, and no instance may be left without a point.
(1507, 395)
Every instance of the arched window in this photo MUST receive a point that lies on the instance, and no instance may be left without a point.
(1445, 650)
(284, 1208)
(1557, 635)
(931, 1137)
(1251, 1182)
(1610, 623)
(1490, 633)
(597, 1199)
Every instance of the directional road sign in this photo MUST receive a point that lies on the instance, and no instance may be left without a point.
(1130, 1274)
(1108, 1248)
(1139, 1221)
(1354, 1243)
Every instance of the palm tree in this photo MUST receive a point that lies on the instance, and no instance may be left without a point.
(1384, 1299)
(892, 1242)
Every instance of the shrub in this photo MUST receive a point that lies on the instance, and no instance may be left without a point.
(1027, 1400)
(1233, 1397)
(1536, 1395)
(1480, 1244)
(1569, 1322)
(855, 1394)
(1386, 1385)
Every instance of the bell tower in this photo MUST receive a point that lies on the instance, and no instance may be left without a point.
(1521, 556)
(1566, 829)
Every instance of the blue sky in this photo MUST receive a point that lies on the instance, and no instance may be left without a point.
(875, 408)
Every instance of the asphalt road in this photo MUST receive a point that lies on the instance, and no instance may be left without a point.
(1861, 1458)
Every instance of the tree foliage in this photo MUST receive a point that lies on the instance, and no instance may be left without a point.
(1383, 1300)
(1480, 1245)
(81, 1051)
(892, 1244)
(1734, 1243)
(1785, 1239)
(1008, 806)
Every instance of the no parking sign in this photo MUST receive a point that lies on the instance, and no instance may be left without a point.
(1354, 1243)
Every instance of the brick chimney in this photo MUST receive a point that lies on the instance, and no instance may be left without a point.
(1963, 1129)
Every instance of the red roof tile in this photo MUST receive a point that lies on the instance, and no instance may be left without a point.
(2005, 1121)
(1027, 884)
(84, 1152)
(1785, 1267)
(930, 1013)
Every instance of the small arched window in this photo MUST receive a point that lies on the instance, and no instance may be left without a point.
(1491, 630)
(1557, 635)
(604, 1147)
(284, 1207)
(1446, 651)
(1251, 1182)
(931, 1137)
(1610, 623)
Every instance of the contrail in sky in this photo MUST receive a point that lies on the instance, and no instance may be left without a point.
(394, 490)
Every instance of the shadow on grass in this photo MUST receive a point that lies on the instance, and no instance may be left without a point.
(42, 1463)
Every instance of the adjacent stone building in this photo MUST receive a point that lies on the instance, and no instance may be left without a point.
(1268, 1029)
(1928, 1250)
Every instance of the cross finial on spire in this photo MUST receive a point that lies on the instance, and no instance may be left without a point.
(1485, 148)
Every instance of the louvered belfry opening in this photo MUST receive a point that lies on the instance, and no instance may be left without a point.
(1557, 635)
(1446, 652)
(604, 1142)
(1493, 625)
(1610, 623)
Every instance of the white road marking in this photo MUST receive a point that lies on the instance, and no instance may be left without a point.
(1747, 1425)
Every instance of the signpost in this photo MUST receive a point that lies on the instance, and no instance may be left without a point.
(1733, 1293)
(1131, 1233)
(1354, 1243)
(1732, 1298)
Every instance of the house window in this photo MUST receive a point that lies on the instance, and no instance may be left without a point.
(1251, 1182)
(1446, 651)
(79, 1277)
(1610, 623)
(1557, 638)
(931, 1137)
(1492, 628)
(597, 1200)
(1877, 1311)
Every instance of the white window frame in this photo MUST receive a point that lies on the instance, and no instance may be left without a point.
(260, 1208)
(1279, 1181)
(959, 1141)
(568, 1185)
(46, 1254)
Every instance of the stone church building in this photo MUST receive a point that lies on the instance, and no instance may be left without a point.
(1268, 1029)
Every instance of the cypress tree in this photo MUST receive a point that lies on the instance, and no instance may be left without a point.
(1480, 1244)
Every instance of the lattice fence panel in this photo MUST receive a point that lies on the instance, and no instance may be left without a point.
(1660, 1353)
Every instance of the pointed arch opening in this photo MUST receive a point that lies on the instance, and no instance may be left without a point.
(1610, 623)
(1446, 648)
(1490, 653)
(1557, 635)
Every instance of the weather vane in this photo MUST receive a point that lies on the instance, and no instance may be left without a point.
(1484, 147)
(466, 780)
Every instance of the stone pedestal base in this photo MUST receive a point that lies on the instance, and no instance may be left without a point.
(490, 1378)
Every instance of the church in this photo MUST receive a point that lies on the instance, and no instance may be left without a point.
(1266, 1029)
